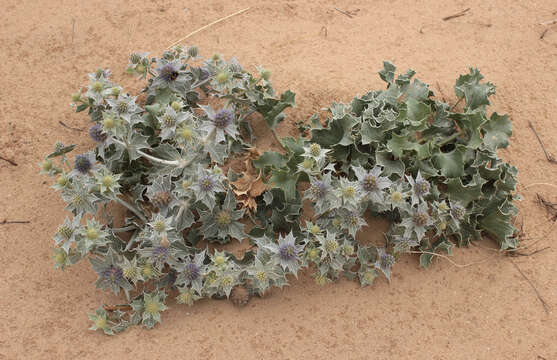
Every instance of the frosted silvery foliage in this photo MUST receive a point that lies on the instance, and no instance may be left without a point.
(160, 155)
(165, 155)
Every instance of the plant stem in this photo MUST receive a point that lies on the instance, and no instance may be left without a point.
(124, 229)
(183, 207)
(130, 207)
(160, 161)
(150, 157)
(275, 135)
(449, 139)
(458, 102)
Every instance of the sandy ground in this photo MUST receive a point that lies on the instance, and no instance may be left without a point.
(483, 311)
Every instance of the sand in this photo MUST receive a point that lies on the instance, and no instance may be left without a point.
(482, 311)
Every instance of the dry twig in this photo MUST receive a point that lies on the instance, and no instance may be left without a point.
(206, 26)
(73, 30)
(69, 127)
(462, 13)
(343, 12)
(5, 222)
(449, 259)
(534, 184)
(116, 307)
(515, 253)
(550, 207)
(544, 303)
(549, 22)
(8, 160)
(549, 158)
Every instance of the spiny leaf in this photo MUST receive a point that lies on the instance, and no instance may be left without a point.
(476, 93)
(286, 181)
(465, 193)
(273, 108)
(136, 142)
(471, 122)
(270, 159)
(497, 131)
(387, 74)
(450, 164)
(418, 114)
(390, 166)
(498, 224)
(329, 136)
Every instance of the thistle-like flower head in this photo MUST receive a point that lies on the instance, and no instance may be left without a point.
(287, 252)
(151, 306)
(372, 183)
(222, 222)
(111, 275)
(457, 211)
(68, 233)
(83, 163)
(220, 123)
(206, 183)
(420, 187)
(404, 243)
(223, 118)
(384, 261)
(168, 72)
(318, 189)
(97, 134)
(191, 271)
(418, 221)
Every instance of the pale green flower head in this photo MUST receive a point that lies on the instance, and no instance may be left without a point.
(350, 193)
(264, 275)
(64, 181)
(68, 233)
(226, 281)
(367, 276)
(125, 107)
(222, 222)
(61, 258)
(329, 244)
(372, 184)
(161, 225)
(151, 306)
(107, 182)
(79, 199)
(101, 322)
(92, 237)
(315, 152)
(187, 296)
(418, 221)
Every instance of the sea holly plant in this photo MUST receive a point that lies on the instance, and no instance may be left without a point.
(163, 159)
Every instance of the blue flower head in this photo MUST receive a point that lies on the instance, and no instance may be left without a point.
(191, 271)
(168, 72)
(96, 133)
(223, 118)
(83, 163)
